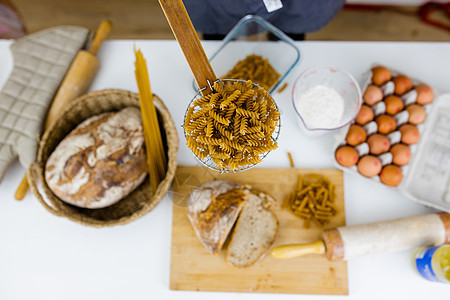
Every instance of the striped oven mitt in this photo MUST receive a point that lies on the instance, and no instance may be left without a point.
(40, 63)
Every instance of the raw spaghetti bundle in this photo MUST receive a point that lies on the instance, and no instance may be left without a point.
(233, 125)
(254, 68)
(156, 156)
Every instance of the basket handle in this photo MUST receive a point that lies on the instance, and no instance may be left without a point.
(33, 176)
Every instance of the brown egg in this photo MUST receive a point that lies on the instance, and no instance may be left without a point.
(401, 154)
(355, 135)
(410, 134)
(346, 156)
(402, 84)
(365, 115)
(372, 95)
(386, 124)
(425, 94)
(391, 175)
(378, 143)
(369, 166)
(393, 104)
(417, 114)
(380, 75)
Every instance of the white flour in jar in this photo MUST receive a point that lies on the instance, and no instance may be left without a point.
(320, 107)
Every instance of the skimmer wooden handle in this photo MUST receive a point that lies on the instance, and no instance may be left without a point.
(187, 38)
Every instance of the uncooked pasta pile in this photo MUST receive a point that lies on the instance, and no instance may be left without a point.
(233, 125)
(254, 68)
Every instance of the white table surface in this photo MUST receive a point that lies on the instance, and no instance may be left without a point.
(47, 257)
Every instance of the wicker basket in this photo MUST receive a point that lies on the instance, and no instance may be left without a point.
(136, 204)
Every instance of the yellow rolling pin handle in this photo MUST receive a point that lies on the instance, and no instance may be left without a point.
(22, 189)
(100, 35)
(295, 250)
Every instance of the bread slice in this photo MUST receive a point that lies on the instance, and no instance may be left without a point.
(213, 208)
(254, 232)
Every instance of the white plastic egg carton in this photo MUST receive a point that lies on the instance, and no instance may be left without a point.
(426, 178)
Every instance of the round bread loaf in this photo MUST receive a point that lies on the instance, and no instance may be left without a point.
(100, 162)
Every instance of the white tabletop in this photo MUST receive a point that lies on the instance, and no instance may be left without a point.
(47, 257)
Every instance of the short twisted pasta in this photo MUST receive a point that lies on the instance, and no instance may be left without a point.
(187, 120)
(218, 87)
(210, 127)
(256, 135)
(243, 126)
(198, 114)
(230, 99)
(223, 131)
(202, 101)
(214, 100)
(237, 125)
(245, 97)
(191, 142)
(230, 111)
(234, 145)
(263, 149)
(200, 152)
(254, 129)
(256, 143)
(199, 124)
(218, 118)
(247, 113)
(263, 110)
(226, 148)
(209, 140)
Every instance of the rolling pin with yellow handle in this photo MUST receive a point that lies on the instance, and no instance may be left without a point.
(343, 243)
(75, 83)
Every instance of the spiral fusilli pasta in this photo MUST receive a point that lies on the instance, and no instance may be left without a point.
(233, 125)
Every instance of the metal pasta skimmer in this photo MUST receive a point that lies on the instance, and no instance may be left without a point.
(208, 160)
(189, 42)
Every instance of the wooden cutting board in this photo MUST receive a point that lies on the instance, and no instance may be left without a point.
(194, 269)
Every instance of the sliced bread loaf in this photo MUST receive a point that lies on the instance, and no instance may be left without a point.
(254, 232)
(213, 208)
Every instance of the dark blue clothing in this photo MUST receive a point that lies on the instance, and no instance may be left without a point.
(296, 16)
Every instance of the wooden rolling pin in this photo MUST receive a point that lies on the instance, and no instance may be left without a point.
(75, 83)
(347, 242)
(79, 75)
